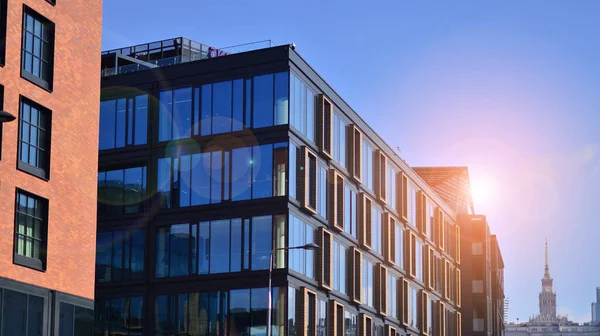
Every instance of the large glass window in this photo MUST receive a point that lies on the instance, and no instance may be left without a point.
(430, 220)
(121, 316)
(350, 324)
(252, 171)
(399, 232)
(339, 140)
(322, 318)
(293, 165)
(392, 296)
(122, 191)
(339, 267)
(367, 283)
(412, 205)
(37, 56)
(376, 230)
(119, 256)
(413, 307)
(301, 260)
(302, 109)
(350, 210)
(220, 246)
(31, 229)
(75, 320)
(23, 314)
(419, 260)
(322, 191)
(124, 122)
(34, 139)
(392, 173)
(367, 163)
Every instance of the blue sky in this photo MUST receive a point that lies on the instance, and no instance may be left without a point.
(511, 89)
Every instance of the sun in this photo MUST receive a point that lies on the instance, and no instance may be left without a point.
(482, 190)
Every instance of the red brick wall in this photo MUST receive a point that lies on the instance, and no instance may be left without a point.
(74, 102)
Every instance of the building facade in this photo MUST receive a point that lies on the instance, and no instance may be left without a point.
(48, 53)
(498, 297)
(210, 160)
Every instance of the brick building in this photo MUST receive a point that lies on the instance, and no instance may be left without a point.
(48, 157)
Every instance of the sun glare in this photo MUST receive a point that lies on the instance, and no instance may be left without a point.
(482, 190)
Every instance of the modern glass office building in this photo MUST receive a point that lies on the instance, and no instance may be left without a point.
(211, 159)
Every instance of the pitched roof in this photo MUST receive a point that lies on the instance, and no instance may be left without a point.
(452, 184)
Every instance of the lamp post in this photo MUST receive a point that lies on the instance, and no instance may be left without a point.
(309, 246)
(6, 117)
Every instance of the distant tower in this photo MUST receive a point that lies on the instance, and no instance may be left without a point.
(596, 308)
(547, 295)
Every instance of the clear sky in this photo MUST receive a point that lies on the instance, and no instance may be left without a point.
(509, 88)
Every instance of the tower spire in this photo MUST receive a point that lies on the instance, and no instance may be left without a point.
(547, 269)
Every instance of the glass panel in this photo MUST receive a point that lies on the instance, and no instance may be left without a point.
(291, 311)
(164, 182)
(107, 124)
(136, 315)
(165, 116)
(162, 254)
(263, 101)
(200, 178)
(281, 98)
(103, 256)
(204, 248)
(182, 113)
(137, 254)
(222, 107)
(279, 168)
(238, 105)
(241, 168)
(134, 191)
(184, 180)
(84, 321)
(117, 255)
(236, 245)
(240, 312)
(65, 325)
(258, 311)
(14, 320)
(161, 319)
(216, 176)
(206, 110)
(179, 249)
(219, 246)
(35, 316)
(120, 122)
(322, 191)
(262, 171)
(292, 169)
(141, 120)
(261, 242)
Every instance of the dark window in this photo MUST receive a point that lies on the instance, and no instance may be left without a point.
(31, 226)
(321, 318)
(3, 20)
(75, 320)
(119, 256)
(34, 139)
(38, 49)
(123, 122)
(220, 246)
(119, 316)
(25, 316)
(121, 191)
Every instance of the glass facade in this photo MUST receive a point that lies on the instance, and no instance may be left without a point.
(75, 320)
(376, 230)
(399, 232)
(391, 192)
(119, 316)
(322, 190)
(350, 323)
(23, 314)
(322, 318)
(301, 261)
(124, 122)
(392, 296)
(302, 108)
(367, 283)
(119, 256)
(339, 267)
(419, 260)
(122, 191)
(339, 140)
(350, 211)
(367, 165)
(413, 307)
(412, 205)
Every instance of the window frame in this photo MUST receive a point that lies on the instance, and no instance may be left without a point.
(18, 259)
(3, 24)
(46, 84)
(43, 172)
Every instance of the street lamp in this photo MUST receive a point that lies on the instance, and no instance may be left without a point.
(6, 117)
(309, 246)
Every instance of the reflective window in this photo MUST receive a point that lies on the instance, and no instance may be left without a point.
(413, 307)
(376, 230)
(339, 140)
(339, 267)
(119, 256)
(399, 245)
(419, 260)
(321, 317)
(412, 204)
(292, 181)
(302, 109)
(300, 260)
(75, 320)
(291, 322)
(31, 226)
(430, 311)
(322, 191)
(392, 173)
(120, 316)
(34, 138)
(38, 45)
(122, 191)
(367, 283)
(350, 210)
(430, 220)
(123, 122)
(252, 170)
(350, 324)
(392, 296)
(367, 165)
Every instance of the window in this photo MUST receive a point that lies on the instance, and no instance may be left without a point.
(324, 125)
(376, 230)
(399, 232)
(322, 191)
(292, 180)
(413, 306)
(367, 165)
(430, 220)
(392, 296)
(3, 20)
(75, 320)
(337, 318)
(355, 152)
(339, 267)
(392, 194)
(119, 256)
(31, 226)
(34, 139)
(419, 260)
(477, 286)
(124, 122)
(220, 246)
(247, 312)
(252, 171)
(367, 283)
(478, 324)
(430, 321)
(38, 48)
(322, 318)
(122, 191)
(350, 324)
(2, 3)
(25, 315)
(350, 210)
(339, 140)
(118, 316)
(302, 108)
(300, 234)
(477, 248)
(412, 205)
